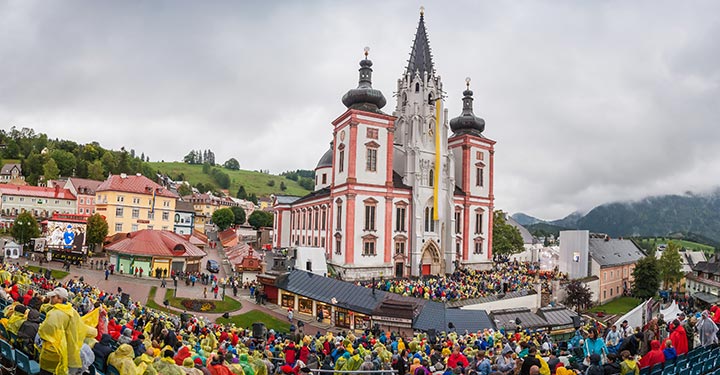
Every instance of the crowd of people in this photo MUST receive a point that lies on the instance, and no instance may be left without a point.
(72, 325)
(463, 284)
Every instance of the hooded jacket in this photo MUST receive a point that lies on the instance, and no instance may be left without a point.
(122, 359)
(629, 366)
(679, 340)
(654, 356)
(29, 328)
(102, 349)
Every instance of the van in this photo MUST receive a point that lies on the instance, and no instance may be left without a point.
(213, 266)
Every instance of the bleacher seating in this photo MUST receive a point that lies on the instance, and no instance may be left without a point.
(699, 361)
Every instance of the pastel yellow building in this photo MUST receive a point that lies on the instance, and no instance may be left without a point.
(205, 205)
(132, 203)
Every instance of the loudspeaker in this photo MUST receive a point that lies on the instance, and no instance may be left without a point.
(258, 330)
(577, 321)
(125, 299)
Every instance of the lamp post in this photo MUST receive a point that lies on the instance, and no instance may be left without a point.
(22, 235)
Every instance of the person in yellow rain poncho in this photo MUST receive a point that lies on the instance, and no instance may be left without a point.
(122, 359)
(16, 319)
(62, 335)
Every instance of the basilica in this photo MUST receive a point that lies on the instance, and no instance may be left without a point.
(402, 194)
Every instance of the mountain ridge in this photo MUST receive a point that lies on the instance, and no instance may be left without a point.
(659, 215)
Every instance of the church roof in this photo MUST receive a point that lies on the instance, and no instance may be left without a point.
(326, 159)
(420, 55)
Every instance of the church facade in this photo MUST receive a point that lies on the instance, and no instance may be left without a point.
(402, 194)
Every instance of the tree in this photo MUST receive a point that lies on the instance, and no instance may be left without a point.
(271, 183)
(65, 161)
(506, 238)
(232, 164)
(259, 219)
(646, 277)
(96, 171)
(670, 265)
(97, 230)
(283, 187)
(184, 190)
(239, 213)
(222, 178)
(253, 198)
(206, 168)
(241, 194)
(223, 218)
(578, 295)
(25, 228)
(51, 170)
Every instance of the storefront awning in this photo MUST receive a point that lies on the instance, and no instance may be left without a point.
(707, 297)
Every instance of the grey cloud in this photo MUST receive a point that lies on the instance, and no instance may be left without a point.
(589, 102)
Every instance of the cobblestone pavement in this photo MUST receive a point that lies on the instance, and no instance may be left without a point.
(139, 288)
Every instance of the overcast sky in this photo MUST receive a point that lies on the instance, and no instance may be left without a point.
(589, 102)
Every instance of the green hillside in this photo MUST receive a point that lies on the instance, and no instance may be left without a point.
(254, 182)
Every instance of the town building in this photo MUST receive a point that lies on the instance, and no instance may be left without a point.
(134, 202)
(205, 205)
(703, 283)
(153, 250)
(41, 202)
(11, 171)
(611, 260)
(84, 190)
(402, 194)
(184, 217)
(688, 259)
(531, 245)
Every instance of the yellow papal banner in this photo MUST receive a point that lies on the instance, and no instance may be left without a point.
(437, 169)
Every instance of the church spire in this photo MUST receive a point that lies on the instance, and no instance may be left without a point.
(420, 56)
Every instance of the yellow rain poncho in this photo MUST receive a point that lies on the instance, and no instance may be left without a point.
(62, 333)
(15, 321)
(122, 359)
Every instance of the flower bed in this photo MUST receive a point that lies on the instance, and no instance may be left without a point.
(198, 305)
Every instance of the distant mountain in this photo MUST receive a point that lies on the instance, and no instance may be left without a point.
(545, 229)
(569, 221)
(693, 215)
(525, 220)
(658, 216)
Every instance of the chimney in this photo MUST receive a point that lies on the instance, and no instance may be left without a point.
(57, 189)
(123, 175)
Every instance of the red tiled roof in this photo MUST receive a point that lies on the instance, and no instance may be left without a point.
(161, 243)
(135, 184)
(36, 191)
(84, 186)
(195, 240)
(200, 235)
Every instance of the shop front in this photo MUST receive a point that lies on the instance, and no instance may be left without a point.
(326, 312)
(362, 322)
(343, 318)
(305, 305)
(287, 301)
(191, 265)
(161, 265)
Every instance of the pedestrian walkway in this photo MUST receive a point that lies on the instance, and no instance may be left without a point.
(139, 288)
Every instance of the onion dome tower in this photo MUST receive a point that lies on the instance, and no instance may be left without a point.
(467, 122)
(365, 97)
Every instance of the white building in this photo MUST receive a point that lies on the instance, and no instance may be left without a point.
(42, 202)
(397, 195)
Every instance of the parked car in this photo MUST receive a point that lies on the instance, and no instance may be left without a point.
(213, 266)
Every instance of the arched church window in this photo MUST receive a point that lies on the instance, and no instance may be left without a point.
(430, 100)
(431, 177)
(404, 99)
(417, 87)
